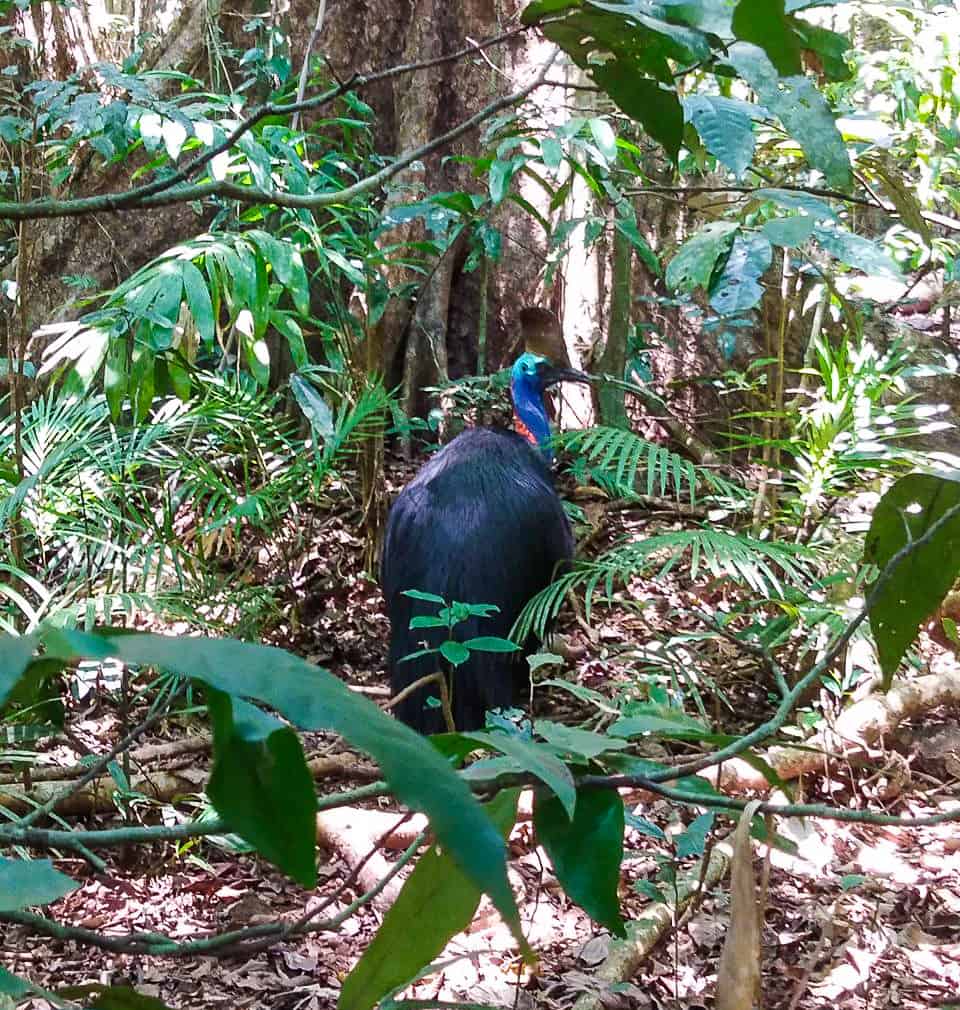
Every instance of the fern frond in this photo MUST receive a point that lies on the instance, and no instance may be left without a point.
(628, 466)
(765, 566)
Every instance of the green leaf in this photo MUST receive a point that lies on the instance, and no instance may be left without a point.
(659, 721)
(726, 127)
(16, 651)
(12, 985)
(491, 644)
(417, 594)
(693, 841)
(832, 48)
(789, 232)
(198, 301)
(764, 23)
(26, 882)
(314, 407)
(437, 901)
(738, 287)
(536, 759)
(261, 785)
(111, 997)
(115, 375)
(586, 851)
(501, 173)
(455, 653)
(628, 228)
(314, 699)
(818, 209)
(856, 251)
(605, 138)
(919, 583)
(574, 742)
(427, 621)
(657, 109)
(695, 260)
(800, 107)
(551, 152)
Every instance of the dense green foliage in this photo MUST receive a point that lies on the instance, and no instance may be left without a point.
(224, 390)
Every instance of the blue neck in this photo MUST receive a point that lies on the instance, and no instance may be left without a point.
(529, 410)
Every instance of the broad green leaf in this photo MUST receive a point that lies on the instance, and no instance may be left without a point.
(818, 209)
(789, 232)
(536, 759)
(198, 301)
(437, 901)
(919, 583)
(693, 840)
(314, 407)
(856, 251)
(659, 722)
(285, 324)
(11, 985)
(501, 172)
(111, 997)
(417, 594)
(16, 651)
(261, 786)
(738, 287)
(314, 699)
(764, 23)
(574, 742)
(800, 107)
(605, 138)
(900, 194)
(26, 882)
(586, 851)
(80, 377)
(657, 109)
(487, 643)
(726, 127)
(551, 152)
(455, 653)
(427, 621)
(830, 46)
(115, 374)
(694, 262)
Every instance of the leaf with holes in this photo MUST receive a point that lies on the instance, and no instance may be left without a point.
(738, 287)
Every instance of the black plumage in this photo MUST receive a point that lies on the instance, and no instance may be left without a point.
(480, 523)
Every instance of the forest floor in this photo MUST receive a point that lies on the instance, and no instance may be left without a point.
(862, 917)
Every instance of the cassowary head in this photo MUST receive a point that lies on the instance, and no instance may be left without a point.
(532, 375)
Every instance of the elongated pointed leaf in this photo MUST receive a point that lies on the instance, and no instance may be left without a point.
(586, 851)
(437, 902)
(16, 651)
(920, 582)
(314, 699)
(695, 261)
(536, 759)
(261, 785)
(26, 882)
(764, 23)
(738, 287)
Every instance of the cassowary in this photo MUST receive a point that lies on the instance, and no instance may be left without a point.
(480, 523)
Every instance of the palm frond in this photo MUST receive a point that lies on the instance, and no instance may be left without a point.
(628, 466)
(764, 566)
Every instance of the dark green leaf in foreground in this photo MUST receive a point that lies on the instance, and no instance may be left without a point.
(536, 759)
(12, 985)
(15, 655)
(437, 902)
(587, 851)
(922, 579)
(314, 699)
(764, 23)
(26, 882)
(116, 997)
(695, 261)
(261, 785)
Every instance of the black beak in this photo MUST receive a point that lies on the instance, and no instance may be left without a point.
(550, 376)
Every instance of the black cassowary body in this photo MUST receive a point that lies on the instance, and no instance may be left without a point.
(480, 523)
